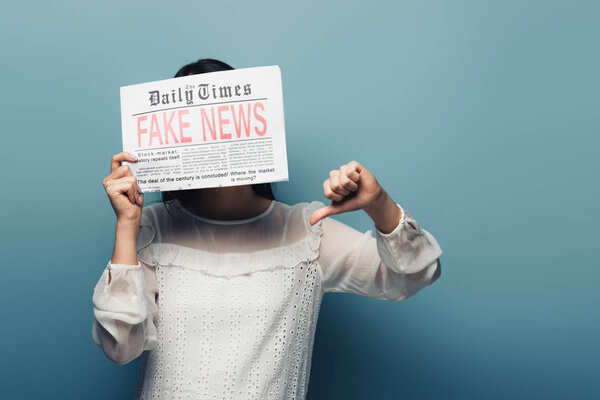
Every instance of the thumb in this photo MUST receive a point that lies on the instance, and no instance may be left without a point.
(323, 212)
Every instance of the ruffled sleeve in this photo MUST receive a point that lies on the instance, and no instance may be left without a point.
(124, 303)
(392, 266)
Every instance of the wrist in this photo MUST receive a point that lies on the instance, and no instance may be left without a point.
(127, 228)
(384, 212)
(378, 202)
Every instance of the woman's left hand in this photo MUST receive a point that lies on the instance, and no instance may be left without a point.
(350, 188)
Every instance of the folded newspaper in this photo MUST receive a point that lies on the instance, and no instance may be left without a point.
(216, 129)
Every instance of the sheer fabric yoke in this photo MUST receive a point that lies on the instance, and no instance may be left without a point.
(276, 238)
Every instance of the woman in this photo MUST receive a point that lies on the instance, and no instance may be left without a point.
(219, 289)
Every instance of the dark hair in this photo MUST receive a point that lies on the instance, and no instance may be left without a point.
(203, 66)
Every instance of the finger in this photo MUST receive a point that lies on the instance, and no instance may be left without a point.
(345, 180)
(139, 194)
(321, 213)
(355, 166)
(125, 186)
(131, 191)
(352, 171)
(115, 161)
(334, 182)
(120, 172)
(330, 194)
(332, 209)
(119, 189)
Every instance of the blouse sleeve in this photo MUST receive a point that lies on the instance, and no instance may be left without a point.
(392, 266)
(124, 302)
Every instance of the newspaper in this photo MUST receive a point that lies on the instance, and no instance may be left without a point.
(208, 130)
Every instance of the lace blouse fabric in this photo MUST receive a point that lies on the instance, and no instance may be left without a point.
(228, 309)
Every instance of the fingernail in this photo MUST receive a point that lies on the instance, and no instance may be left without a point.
(132, 156)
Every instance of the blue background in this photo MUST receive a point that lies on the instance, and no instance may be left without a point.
(480, 118)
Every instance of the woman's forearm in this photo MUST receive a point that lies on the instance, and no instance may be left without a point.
(125, 251)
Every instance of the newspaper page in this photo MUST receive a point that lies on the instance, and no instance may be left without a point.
(216, 129)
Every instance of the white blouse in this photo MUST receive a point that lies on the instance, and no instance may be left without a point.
(228, 309)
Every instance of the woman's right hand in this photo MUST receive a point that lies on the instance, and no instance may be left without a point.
(122, 188)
